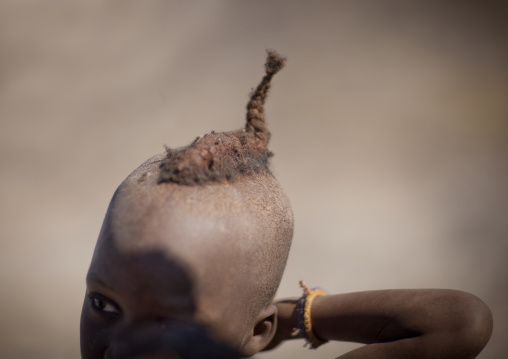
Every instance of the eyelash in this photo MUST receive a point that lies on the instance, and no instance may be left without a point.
(102, 304)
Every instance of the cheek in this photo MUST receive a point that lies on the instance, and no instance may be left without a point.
(94, 336)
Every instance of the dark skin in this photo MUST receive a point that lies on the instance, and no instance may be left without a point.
(162, 260)
(426, 323)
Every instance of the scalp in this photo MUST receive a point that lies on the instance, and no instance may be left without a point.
(253, 212)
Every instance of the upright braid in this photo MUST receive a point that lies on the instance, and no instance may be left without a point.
(226, 155)
(255, 108)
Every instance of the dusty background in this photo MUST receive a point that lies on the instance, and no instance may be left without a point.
(390, 128)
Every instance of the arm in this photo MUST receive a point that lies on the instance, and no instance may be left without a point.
(397, 323)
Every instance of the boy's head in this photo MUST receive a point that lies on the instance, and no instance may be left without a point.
(199, 234)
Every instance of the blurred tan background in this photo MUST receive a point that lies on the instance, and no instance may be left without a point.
(389, 125)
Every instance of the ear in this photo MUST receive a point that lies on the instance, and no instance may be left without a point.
(262, 333)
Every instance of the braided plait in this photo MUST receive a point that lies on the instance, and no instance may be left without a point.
(255, 108)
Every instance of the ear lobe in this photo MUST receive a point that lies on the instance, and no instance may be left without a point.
(262, 333)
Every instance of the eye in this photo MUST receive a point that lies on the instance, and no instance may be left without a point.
(102, 304)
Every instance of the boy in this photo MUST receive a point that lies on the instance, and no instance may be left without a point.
(200, 235)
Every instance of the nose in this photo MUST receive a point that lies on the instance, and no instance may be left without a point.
(120, 345)
(178, 340)
(141, 340)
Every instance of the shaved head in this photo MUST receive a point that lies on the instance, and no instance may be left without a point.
(252, 217)
(201, 233)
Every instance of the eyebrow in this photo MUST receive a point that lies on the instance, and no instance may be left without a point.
(93, 277)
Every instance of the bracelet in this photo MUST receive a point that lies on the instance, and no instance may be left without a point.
(303, 314)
